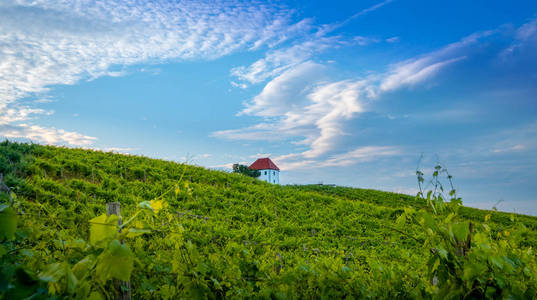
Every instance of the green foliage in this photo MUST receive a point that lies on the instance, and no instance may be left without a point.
(189, 233)
(8, 222)
(471, 259)
(244, 170)
(103, 229)
(116, 262)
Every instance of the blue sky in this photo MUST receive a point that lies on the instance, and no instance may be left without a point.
(351, 93)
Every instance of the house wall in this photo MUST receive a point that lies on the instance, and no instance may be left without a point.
(271, 176)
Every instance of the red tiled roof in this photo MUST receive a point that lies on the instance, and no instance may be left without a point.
(263, 164)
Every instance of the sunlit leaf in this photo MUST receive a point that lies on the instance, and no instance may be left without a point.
(117, 261)
(461, 230)
(157, 205)
(134, 232)
(103, 229)
(8, 222)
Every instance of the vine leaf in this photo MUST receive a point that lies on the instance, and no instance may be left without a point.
(134, 232)
(82, 268)
(56, 272)
(52, 273)
(103, 229)
(8, 222)
(117, 261)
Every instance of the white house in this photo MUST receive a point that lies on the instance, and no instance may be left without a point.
(269, 171)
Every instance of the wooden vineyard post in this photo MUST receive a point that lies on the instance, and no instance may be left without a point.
(123, 289)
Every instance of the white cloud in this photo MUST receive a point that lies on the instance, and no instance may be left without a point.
(285, 91)
(420, 69)
(45, 135)
(45, 43)
(301, 104)
(124, 150)
(331, 27)
(278, 61)
(355, 156)
(527, 30)
(63, 42)
(332, 103)
(515, 148)
(17, 113)
(413, 72)
(13, 116)
(362, 154)
(524, 34)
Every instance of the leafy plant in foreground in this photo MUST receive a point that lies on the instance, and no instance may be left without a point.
(467, 259)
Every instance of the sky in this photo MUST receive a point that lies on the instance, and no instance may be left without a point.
(353, 93)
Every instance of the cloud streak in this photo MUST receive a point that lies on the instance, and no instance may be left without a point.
(302, 105)
(278, 61)
(65, 42)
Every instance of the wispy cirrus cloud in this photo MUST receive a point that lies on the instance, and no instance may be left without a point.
(308, 109)
(523, 35)
(356, 155)
(65, 42)
(327, 28)
(315, 40)
(278, 61)
(419, 69)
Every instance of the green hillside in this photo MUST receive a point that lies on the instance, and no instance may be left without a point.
(197, 233)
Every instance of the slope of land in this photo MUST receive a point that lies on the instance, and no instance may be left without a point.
(214, 235)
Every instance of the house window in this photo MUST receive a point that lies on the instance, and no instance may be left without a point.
(265, 172)
(273, 173)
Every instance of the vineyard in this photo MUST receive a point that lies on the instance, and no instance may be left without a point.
(192, 233)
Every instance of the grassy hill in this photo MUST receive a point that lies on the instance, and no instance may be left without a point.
(198, 233)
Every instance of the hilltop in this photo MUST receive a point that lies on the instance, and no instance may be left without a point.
(212, 234)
